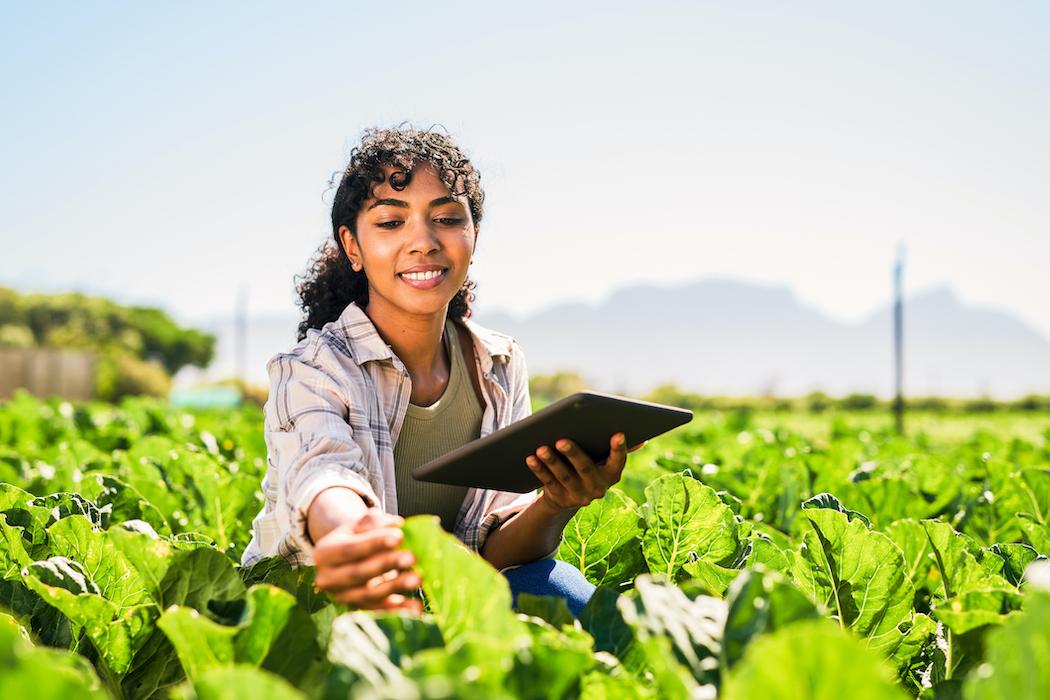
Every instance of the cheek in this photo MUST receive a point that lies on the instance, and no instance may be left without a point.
(469, 238)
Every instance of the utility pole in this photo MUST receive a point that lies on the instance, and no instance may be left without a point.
(898, 341)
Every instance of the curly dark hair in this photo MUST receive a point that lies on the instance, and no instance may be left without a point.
(330, 284)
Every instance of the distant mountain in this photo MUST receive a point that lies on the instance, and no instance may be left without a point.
(723, 336)
(730, 337)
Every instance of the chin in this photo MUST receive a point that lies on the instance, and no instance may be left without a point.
(424, 307)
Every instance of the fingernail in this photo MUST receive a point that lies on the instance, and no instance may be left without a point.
(405, 561)
(563, 446)
(392, 540)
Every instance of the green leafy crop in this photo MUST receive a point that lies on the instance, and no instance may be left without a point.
(742, 558)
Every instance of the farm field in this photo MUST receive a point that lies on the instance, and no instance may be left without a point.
(746, 555)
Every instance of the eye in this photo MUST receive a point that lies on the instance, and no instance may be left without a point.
(388, 224)
(450, 221)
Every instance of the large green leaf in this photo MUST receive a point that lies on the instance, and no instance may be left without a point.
(1036, 534)
(93, 585)
(13, 497)
(685, 520)
(554, 662)
(466, 595)
(151, 556)
(659, 634)
(885, 499)
(857, 574)
(601, 685)
(603, 540)
(48, 625)
(1016, 557)
(359, 645)
(915, 634)
(117, 631)
(64, 504)
(693, 626)
(298, 581)
(550, 608)
(971, 593)
(76, 537)
(203, 644)
(28, 671)
(120, 502)
(957, 558)
(1018, 664)
(236, 683)
(197, 576)
(760, 602)
(919, 562)
(811, 660)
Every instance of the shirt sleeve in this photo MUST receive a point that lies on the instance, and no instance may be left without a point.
(312, 445)
(505, 504)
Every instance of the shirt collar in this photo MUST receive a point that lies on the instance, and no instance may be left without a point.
(366, 344)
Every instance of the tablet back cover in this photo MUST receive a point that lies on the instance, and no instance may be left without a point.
(588, 418)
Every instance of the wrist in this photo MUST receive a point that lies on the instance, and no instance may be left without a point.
(555, 510)
(331, 508)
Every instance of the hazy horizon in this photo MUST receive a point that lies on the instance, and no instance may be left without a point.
(720, 336)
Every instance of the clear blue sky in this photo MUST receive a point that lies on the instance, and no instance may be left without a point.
(168, 153)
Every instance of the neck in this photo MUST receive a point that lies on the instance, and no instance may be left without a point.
(415, 339)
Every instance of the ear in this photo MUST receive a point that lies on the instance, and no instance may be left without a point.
(349, 245)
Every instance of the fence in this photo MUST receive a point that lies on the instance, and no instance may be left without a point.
(68, 374)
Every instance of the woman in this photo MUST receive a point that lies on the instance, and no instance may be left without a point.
(389, 373)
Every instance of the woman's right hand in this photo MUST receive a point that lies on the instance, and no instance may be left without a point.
(359, 564)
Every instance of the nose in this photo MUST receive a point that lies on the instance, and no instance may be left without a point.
(423, 237)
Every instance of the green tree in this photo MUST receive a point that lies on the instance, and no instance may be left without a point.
(139, 348)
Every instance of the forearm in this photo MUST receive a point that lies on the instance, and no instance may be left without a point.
(527, 536)
(331, 508)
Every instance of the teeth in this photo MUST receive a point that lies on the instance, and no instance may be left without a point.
(422, 275)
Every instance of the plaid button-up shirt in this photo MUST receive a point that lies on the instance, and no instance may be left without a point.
(336, 406)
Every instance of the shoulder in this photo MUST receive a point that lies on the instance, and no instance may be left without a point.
(322, 352)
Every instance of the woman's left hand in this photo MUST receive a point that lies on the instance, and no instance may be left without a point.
(571, 479)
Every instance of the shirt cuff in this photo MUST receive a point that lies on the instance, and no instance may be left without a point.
(320, 479)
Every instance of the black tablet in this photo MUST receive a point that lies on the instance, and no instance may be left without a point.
(588, 418)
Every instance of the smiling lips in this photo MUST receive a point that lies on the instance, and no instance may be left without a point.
(424, 280)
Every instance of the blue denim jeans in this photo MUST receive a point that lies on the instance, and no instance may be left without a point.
(551, 577)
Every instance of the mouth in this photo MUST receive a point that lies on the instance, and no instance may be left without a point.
(426, 280)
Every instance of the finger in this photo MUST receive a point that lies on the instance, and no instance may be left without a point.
(378, 518)
(541, 472)
(396, 601)
(565, 474)
(341, 546)
(617, 455)
(580, 461)
(359, 573)
(372, 594)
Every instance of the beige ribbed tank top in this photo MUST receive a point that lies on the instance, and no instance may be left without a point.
(431, 431)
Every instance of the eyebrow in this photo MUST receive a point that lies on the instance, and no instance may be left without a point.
(404, 205)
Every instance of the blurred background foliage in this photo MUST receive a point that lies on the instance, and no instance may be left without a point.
(138, 348)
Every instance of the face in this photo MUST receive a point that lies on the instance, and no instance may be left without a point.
(397, 230)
